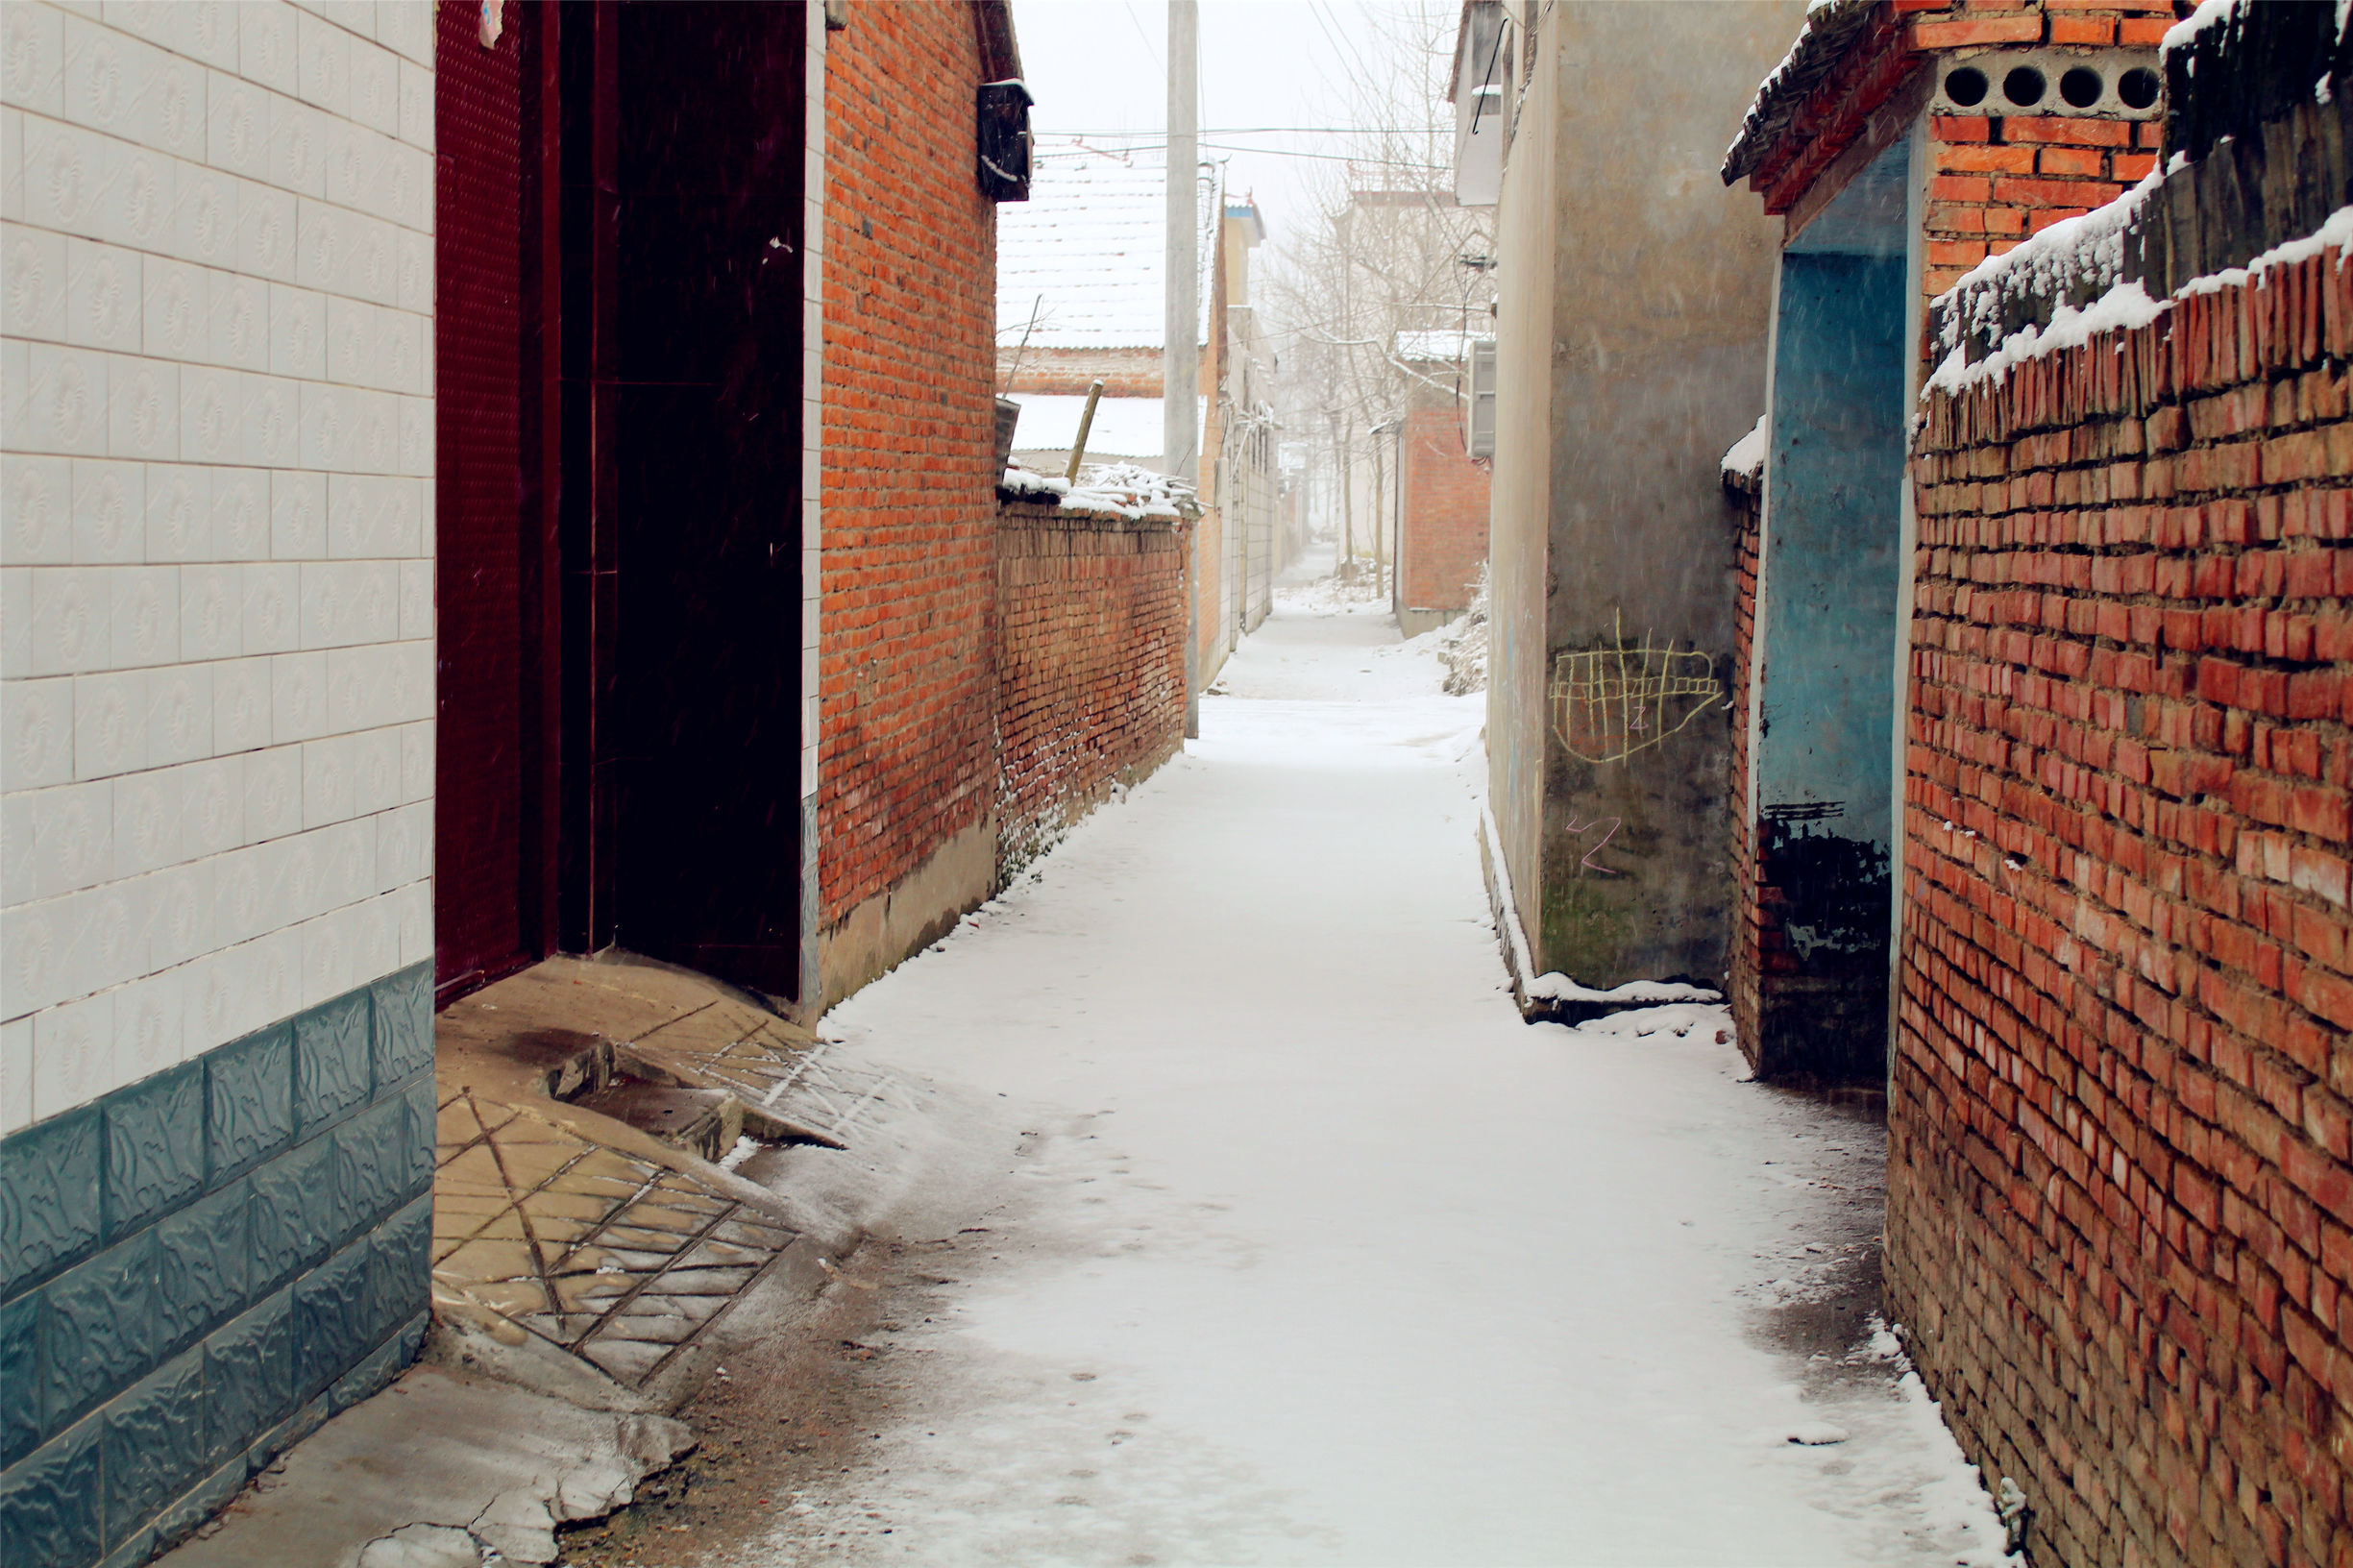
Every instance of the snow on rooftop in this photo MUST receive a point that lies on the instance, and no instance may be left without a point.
(1087, 251)
(1446, 346)
(1123, 427)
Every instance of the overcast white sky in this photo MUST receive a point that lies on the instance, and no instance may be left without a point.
(1099, 66)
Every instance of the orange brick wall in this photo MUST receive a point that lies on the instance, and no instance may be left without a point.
(1995, 179)
(1757, 926)
(1090, 611)
(2120, 1199)
(1445, 514)
(906, 680)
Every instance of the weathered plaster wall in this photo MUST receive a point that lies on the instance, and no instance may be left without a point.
(1521, 497)
(1661, 292)
(1827, 619)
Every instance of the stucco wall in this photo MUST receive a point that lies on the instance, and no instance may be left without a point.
(1662, 286)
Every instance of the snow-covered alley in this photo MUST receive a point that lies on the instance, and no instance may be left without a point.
(1304, 1248)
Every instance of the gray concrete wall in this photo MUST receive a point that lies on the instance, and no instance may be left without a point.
(1520, 499)
(1661, 296)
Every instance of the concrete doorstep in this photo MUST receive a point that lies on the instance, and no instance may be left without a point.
(636, 1168)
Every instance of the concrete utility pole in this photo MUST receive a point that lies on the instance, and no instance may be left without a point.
(1180, 422)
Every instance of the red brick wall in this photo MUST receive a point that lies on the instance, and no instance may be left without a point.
(906, 685)
(1445, 514)
(1995, 179)
(1750, 937)
(2120, 1127)
(1090, 610)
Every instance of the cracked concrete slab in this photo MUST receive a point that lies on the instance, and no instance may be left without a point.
(434, 1469)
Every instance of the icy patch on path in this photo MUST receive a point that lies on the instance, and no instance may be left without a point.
(1311, 1251)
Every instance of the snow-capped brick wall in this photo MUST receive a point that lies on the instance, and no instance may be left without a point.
(1445, 513)
(1758, 929)
(1091, 665)
(907, 698)
(1995, 179)
(2121, 1120)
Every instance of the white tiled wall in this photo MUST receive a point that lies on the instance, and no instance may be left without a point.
(216, 524)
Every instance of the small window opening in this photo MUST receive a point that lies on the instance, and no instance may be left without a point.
(2023, 86)
(2139, 87)
(1966, 86)
(2081, 87)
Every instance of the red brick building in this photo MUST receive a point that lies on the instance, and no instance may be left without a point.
(2120, 1183)
(906, 769)
(1441, 490)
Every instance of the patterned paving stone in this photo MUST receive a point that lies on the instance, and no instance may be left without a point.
(614, 1259)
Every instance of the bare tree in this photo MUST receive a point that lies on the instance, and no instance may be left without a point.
(1392, 256)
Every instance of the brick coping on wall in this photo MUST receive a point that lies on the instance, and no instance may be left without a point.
(2120, 1207)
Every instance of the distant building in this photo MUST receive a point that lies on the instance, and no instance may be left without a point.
(1442, 488)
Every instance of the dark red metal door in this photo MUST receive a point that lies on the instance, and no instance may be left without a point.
(492, 816)
(683, 161)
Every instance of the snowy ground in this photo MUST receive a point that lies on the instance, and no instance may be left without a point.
(1313, 1252)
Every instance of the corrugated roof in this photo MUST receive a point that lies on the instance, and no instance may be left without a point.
(1086, 251)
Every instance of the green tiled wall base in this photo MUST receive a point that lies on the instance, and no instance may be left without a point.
(203, 1265)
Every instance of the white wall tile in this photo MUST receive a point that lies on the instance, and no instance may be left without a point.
(109, 512)
(211, 613)
(413, 276)
(105, 74)
(179, 516)
(176, 322)
(273, 607)
(298, 697)
(323, 64)
(147, 812)
(416, 600)
(16, 1072)
(71, 831)
(370, 267)
(376, 86)
(110, 724)
(179, 713)
(240, 321)
(273, 792)
(416, 106)
(148, 1016)
(404, 844)
(299, 511)
(265, 45)
(212, 813)
(412, 906)
(36, 733)
(240, 704)
(32, 57)
(183, 927)
(416, 761)
(73, 1055)
(146, 613)
(212, 407)
(16, 848)
(102, 296)
(349, 602)
(73, 624)
(15, 622)
(241, 499)
(376, 764)
(271, 429)
(12, 165)
(407, 26)
(171, 110)
(298, 331)
(237, 126)
(143, 407)
(36, 510)
(140, 199)
(298, 148)
(205, 228)
(65, 402)
(267, 232)
(33, 279)
(328, 780)
(68, 175)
